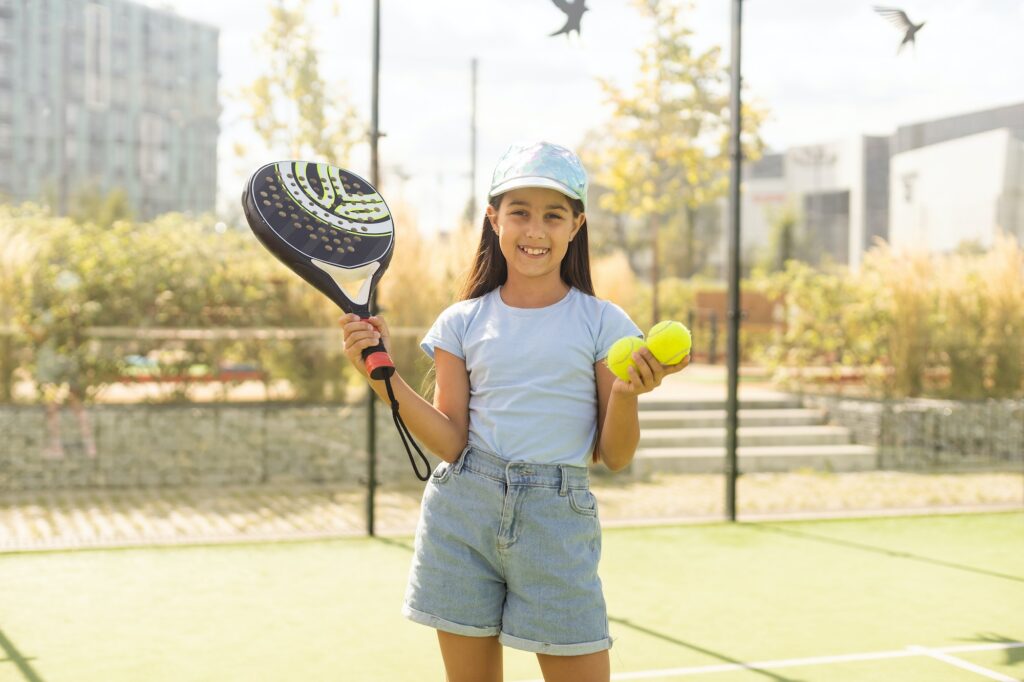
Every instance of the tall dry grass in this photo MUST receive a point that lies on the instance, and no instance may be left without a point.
(424, 277)
(912, 323)
(907, 296)
(1003, 284)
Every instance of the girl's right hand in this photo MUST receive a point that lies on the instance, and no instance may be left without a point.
(361, 334)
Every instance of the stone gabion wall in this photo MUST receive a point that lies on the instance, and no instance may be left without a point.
(141, 446)
(954, 435)
(862, 417)
(934, 434)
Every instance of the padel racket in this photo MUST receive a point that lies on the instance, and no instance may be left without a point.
(333, 229)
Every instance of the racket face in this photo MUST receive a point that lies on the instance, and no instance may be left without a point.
(327, 224)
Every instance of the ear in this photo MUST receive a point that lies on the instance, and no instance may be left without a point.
(578, 223)
(492, 217)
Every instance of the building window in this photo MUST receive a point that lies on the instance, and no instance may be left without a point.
(97, 56)
(153, 158)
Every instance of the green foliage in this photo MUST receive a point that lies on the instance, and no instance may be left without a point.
(905, 324)
(290, 105)
(664, 154)
(784, 243)
(908, 324)
(16, 256)
(65, 278)
(91, 205)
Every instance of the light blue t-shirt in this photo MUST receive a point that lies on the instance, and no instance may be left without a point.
(532, 386)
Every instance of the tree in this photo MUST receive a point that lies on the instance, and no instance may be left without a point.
(665, 153)
(91, 205)
(17, 254)
(783, 241)
(290, 106)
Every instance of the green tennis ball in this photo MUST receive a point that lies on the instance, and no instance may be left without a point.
(620, 356)
(669, 342)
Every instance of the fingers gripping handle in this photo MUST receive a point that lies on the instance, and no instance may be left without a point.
(378, 363)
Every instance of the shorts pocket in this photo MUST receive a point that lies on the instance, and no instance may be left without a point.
(583, 501)
(442, 473)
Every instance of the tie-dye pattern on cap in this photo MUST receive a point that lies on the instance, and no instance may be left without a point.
(540, 164)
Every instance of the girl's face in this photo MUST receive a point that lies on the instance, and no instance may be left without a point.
(534, 227)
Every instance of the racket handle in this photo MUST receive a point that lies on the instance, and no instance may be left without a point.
(378, 362)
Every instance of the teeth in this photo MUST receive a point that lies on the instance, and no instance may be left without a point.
(532, 251)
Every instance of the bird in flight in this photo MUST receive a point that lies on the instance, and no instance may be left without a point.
(573, 14)
(900, 20)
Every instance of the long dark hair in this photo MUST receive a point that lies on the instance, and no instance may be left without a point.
(490, 269)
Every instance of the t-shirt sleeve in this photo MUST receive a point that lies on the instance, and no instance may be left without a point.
(615, 324)
(447, 333)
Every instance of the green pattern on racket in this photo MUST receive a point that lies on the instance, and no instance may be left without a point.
(327, 224)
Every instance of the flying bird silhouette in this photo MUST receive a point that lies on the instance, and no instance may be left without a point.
(573, 13)
(900, 20)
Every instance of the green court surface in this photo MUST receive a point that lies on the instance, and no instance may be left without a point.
(929, 599)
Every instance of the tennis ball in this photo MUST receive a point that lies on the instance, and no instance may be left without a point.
(620, 356)
(669, 342)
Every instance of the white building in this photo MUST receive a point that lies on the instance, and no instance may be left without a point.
(936, 184)
(950, 189)
(838, 191)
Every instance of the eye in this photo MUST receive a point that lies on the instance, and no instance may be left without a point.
(555, 216)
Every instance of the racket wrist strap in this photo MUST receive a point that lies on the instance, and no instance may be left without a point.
(406, 435)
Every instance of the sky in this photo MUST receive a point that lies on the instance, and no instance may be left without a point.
(825, 70)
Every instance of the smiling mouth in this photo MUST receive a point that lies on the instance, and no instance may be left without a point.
(532, 251)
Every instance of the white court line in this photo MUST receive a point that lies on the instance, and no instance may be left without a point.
(952, 660)
(819, 660)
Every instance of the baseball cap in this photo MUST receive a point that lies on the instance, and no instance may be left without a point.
(540, 164)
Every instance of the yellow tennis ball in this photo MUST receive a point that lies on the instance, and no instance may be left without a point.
(620, 356)
(669, 342)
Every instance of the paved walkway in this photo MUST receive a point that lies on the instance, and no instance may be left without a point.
(125, 518)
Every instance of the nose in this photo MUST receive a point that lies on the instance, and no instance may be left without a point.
(535, 228)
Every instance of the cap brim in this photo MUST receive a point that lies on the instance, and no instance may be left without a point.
(520, 183)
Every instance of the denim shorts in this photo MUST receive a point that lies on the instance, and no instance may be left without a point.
(510, 549)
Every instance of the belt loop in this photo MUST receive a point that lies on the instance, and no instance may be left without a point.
(457, 467)
(563, 488)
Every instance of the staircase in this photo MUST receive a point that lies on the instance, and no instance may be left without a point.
(775, 434)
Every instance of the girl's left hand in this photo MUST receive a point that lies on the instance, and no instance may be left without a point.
(647, 374)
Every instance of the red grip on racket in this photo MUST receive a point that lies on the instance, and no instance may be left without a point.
(379, 365)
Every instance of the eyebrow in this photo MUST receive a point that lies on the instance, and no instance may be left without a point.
(521, 202)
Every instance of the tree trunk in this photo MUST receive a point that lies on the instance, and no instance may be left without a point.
(691, 240)
(655, 273)
(6, 367)
(623, 237)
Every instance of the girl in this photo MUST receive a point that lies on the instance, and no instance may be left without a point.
(508, 541)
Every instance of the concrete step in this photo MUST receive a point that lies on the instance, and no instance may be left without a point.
(756, 436)
(656, 403)
(755, 459)
(671, 419)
